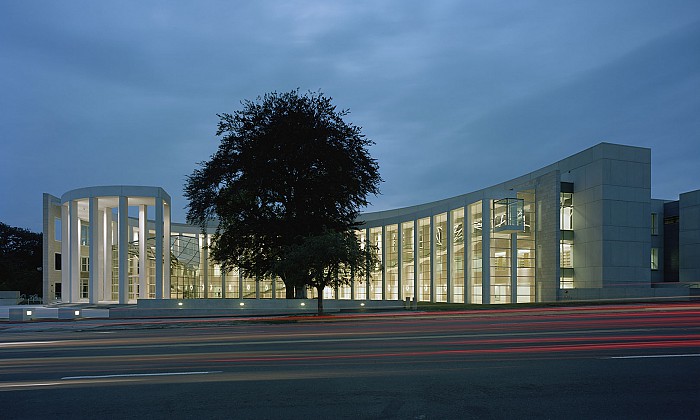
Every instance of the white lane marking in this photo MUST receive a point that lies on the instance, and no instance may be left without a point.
(134, 375)
(26, 343)
(654, 356)
(11, 385)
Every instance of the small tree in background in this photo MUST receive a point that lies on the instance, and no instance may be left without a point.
(288, 167)
(329, 259)
(20, 260)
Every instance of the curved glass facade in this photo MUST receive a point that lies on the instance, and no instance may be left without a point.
(509, 243)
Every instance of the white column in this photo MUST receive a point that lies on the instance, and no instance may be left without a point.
(66, 246)
(100, 244)
(432, 257)
(486, 251)
(223, 284)
(164, 290)
(449, 237)
(204, 263)
(74, 283)
(399, 238)
(107, 249)
(159, 247)
(383, 271)
(143, 268)
(416, 256)
(468, 250)
(513, 268)
(368, 276)
(94, 241)
(123, 250)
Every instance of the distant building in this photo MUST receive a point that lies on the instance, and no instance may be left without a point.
(582, 228)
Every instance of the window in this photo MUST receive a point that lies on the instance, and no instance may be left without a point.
(391, 264)
(566, 254)
(654, 224)
(655, 258)
(57, 261)
(440, 246)
(566, 280)
(407, 247)
(84, 264)
(424, 240)
(566, 212)
(57, 232)
(457, 255)
(375, 275)
(84, 234)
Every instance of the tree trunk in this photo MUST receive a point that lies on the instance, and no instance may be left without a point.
(319, 293)
(288, 291)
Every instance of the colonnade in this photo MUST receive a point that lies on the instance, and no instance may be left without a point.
(91, 233)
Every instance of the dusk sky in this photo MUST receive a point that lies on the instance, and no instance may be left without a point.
(457, 95)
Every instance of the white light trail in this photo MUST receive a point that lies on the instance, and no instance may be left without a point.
(654, 356)
(136, 375)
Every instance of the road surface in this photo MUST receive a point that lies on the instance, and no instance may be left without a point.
(623, 361)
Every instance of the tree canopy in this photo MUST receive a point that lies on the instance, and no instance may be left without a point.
(288, 167)
(20, 260)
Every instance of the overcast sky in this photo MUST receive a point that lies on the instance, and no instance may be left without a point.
(457, 95)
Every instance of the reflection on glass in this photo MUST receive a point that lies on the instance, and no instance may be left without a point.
(475, 250)
(440, 256)
(375, 274)
(407, 255)
(391, 266)
(525, 291)
(424, 259)
(360, 282)
(457, 265)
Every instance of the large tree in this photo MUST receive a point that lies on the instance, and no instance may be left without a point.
(288, 167)
(20, 260)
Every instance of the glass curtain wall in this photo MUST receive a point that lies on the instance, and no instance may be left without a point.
(526, 250)
(151, 264)
(424, 259)
(249, 289)
(391, 265)
(407, 255)
(133, 270)
(475, 250)
(115, 273)
(185, 281)
(457, 265)
(360, 284)
(232, 289)
(280, 289)
(440, 255)
(375, 275)
(345, 292)
(215, 285)
(266, 288)
(500, 267)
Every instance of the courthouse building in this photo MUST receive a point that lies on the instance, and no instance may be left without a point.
(582, 228)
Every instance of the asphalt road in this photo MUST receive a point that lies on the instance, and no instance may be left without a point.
(627, 361)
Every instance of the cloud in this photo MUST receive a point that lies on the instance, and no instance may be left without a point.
(457, 95)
